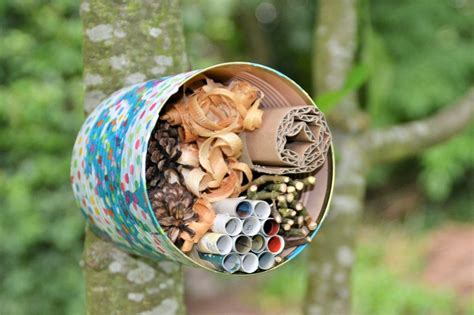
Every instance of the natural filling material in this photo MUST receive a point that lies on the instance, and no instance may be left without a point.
(195, 170)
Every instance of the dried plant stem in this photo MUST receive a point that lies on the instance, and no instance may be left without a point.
(277, 187)
(293, 242)
(309, 181)
(270, 178)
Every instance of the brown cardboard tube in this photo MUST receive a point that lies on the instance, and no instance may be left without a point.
(291, 140)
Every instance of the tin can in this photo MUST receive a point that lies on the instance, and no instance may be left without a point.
(109, 156)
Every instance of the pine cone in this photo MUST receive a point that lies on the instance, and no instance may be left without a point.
(169, 197)
(172, 205)
(163, 153)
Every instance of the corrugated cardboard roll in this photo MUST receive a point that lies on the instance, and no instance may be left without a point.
(291, 140)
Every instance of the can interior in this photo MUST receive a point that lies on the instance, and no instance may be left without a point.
(279, 91)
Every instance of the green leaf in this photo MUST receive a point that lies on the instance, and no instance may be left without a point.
(356, 78)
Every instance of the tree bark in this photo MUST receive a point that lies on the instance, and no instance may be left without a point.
(397, 142)
(332, 252)
(127, 42)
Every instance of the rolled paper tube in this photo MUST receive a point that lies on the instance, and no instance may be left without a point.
(242, 244)
(215, 243)
(261, 209)
(229, 262)
(233, 206)
(270, 227)
(248, 263)
(266, 260)
(225, 224)
(297, 140)
(251, 226)
(258, 243)
(275, 244)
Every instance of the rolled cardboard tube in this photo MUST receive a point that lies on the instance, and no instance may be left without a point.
(266, 260)
(215, 243)
(297, 141)
(251, 226)
(275, 244)
(261, 209)
(248, 263)
(225, 224)
(236, 207)
(269, 227)
(229, 262)
(242, 244)
(258, 243)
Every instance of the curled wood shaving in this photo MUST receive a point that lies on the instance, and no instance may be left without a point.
(200, 180)
(206, 218)
(189, 154)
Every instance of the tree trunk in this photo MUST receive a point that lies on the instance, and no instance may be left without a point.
(127, 42)
(332, 252)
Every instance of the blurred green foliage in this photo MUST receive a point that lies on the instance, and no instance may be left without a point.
(421, 57)
(382, 289)
(40, 113)
(418, 56)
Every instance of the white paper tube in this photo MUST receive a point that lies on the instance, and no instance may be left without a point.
(269, 227)
(236, 207)
(215, 243)
(266, 260)
(225, 224)
(249, 263)
(242, 244)
(261, 209)
(258, 243)
(229, 263)
(275, 244)
(251, 226)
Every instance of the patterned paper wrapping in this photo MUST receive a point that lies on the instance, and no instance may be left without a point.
(108, 162)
